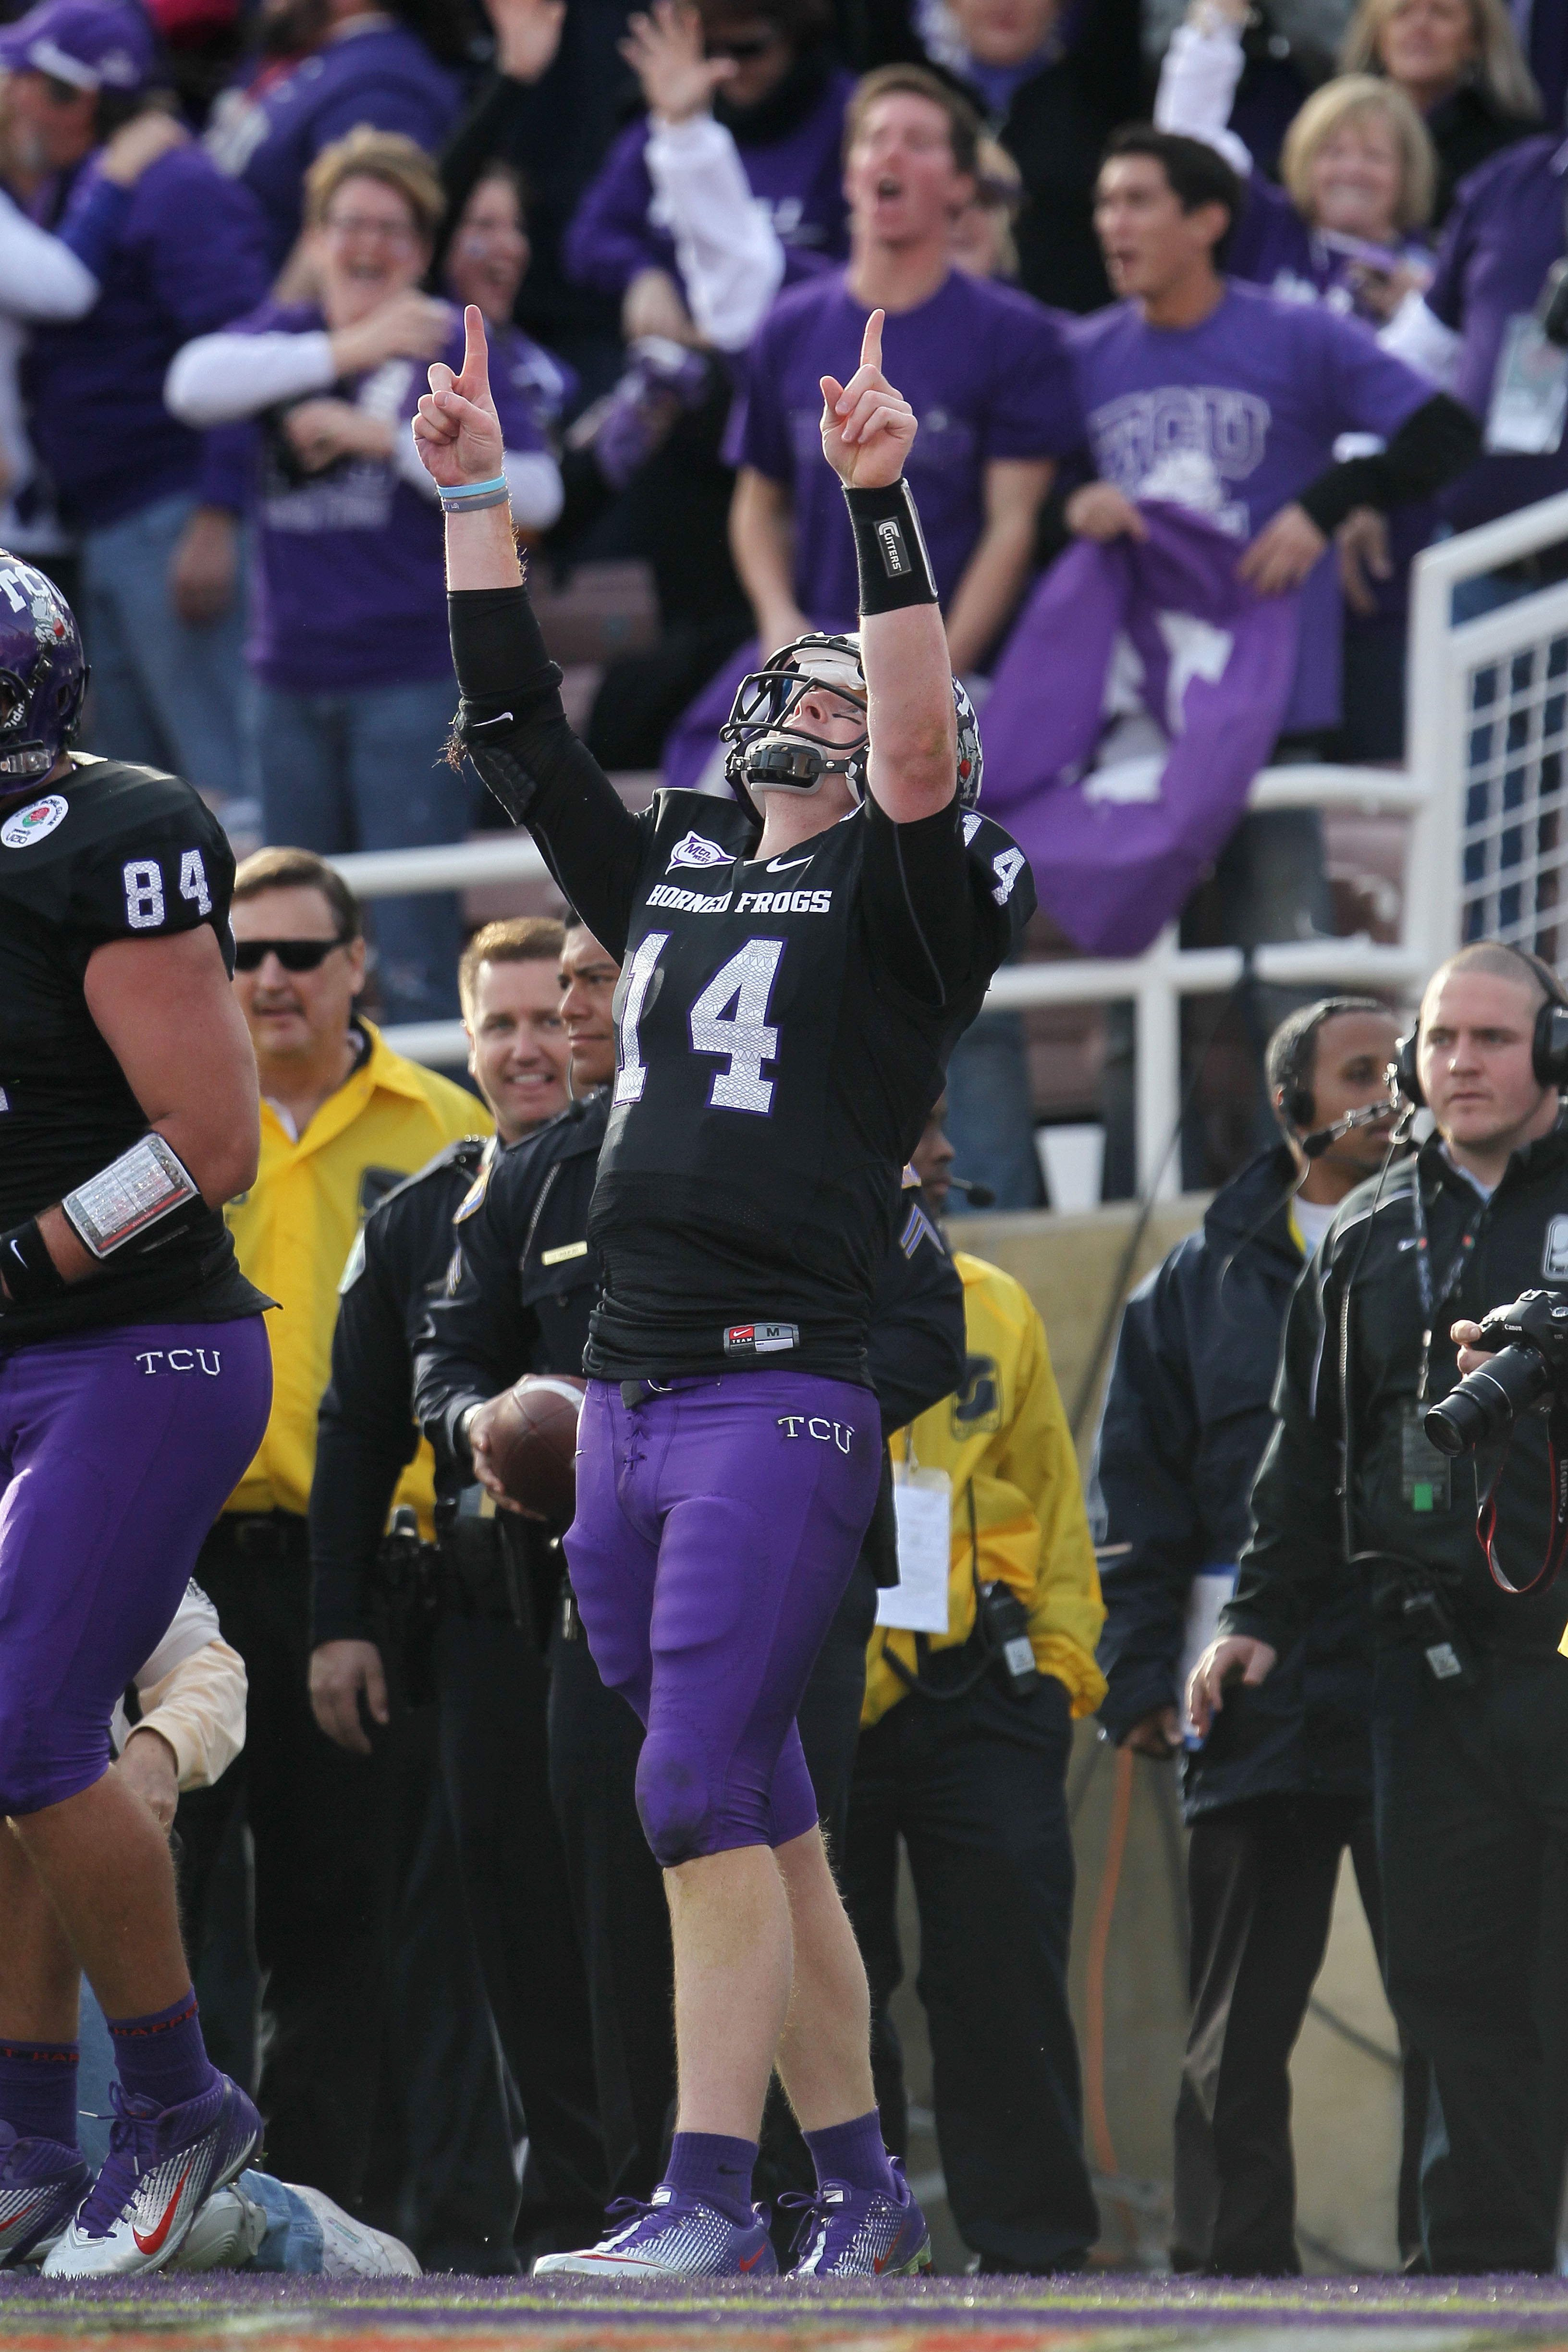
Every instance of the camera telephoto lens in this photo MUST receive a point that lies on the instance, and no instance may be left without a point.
(1486, 1401)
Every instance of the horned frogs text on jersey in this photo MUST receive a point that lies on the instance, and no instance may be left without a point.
(110, 852)
(783, 1029)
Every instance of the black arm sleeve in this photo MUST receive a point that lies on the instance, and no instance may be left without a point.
(915, 1349)
(365, 1435)
(1436, 442)
(478, 1336)
(918, 901)
(512, 725)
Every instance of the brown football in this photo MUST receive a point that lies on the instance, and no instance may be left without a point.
(533, 1445)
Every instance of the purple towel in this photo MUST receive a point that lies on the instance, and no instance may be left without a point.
(1115, 854)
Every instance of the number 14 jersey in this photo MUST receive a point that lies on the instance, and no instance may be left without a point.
(783, 1029)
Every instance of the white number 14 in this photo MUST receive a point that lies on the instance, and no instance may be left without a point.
(745, 1038)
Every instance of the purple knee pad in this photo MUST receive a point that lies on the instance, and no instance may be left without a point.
(717, 1525)
(123, 1445)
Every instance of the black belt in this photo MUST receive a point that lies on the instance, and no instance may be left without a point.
(261, 1535)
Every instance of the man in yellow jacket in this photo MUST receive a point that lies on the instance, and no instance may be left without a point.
(344, 1119)
(963, 1751)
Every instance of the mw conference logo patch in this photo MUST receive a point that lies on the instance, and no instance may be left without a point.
(695, 850)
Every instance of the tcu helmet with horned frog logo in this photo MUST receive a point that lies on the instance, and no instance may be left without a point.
(43, 676)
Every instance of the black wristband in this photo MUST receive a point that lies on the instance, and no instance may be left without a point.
(889, 552)
(28, 1272)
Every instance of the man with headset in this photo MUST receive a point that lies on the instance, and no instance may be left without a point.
(1469, 1717)
(1284, 1785)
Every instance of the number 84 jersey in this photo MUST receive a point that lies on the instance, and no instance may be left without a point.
(108, 852)
(784, 1028)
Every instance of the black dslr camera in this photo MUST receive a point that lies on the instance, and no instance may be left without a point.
(1532, 1339)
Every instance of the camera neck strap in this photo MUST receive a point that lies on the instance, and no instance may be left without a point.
(1557, 1542)
(1433, 1298)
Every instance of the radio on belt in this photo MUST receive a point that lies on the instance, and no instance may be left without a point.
(142, 1187)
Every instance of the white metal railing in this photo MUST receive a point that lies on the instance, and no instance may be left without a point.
(1487, 748)
(1155, 981)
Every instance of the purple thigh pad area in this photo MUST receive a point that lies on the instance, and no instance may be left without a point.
(119, 1446)
(718, 1524)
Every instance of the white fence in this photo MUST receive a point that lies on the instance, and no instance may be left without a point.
(1486, 793)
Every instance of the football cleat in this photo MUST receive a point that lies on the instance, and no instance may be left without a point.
(42, 2182)
(676, 2236)
(164, 2163)
(854, 2233)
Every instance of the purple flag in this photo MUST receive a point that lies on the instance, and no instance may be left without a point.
(1167, 625)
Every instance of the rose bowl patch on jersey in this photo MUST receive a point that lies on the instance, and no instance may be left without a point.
(26, 825)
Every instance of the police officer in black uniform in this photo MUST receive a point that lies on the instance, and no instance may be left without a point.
(523, 1282)
(461, 1623)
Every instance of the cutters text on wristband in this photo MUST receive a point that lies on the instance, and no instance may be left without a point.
(889, 549)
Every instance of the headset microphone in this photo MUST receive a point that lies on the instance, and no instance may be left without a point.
(980, 1196)
(1318, 1142)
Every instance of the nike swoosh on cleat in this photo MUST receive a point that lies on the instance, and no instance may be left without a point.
(15, 2221)
(150, 2244)
(751, 2263)
(786, 864)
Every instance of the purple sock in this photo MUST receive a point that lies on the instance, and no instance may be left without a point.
(853, 2152)
(718, 2170)
(162, 2057)
(37, 2089)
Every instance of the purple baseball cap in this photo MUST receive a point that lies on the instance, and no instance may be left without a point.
(91, 44)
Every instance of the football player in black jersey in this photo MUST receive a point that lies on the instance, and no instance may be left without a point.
(134, 1383)
(784, 1015)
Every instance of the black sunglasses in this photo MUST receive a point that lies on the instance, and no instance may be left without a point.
(294, 955)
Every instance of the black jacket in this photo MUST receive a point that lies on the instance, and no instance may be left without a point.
(1466, 130)
(1187, 1416)
(1362, 1303)
(365, 1428)
(524, 1277)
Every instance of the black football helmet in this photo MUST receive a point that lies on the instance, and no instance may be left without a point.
(769, 752)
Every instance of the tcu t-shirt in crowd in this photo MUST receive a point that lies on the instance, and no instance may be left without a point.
(270, 132)
(348, 577)
(797, 177)
(985, 370)
(1233, 418)
(1503, 235)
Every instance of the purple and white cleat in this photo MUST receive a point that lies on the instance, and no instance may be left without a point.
(164, 2163)
(676, 2236)
(42, 2182)
(854, 2233)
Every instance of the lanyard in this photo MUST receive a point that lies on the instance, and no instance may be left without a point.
(1431, 1302)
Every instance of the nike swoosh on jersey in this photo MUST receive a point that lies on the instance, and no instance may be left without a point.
(150, 2243)
(786, 864)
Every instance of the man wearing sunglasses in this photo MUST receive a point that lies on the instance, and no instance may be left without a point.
(344, 1119)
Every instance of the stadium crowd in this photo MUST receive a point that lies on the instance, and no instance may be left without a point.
(1209, 327)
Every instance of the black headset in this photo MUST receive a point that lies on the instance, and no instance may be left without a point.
(1299, 1103)
(1549, 1045)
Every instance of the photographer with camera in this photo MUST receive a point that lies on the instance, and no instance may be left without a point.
(1469, 1716)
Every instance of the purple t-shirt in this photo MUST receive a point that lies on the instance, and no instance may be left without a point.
(383, 77)
(1272, 246)
(985, 370)
(187, 253)
(619, 228)
(544, 385)
(1503, 235)
(1234, 418)
(348, 582)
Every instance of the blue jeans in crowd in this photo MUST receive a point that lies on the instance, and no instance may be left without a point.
(165, 693)
(366, 770)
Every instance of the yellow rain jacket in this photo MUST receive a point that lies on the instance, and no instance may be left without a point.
(1005, 1438)
(295, 1227)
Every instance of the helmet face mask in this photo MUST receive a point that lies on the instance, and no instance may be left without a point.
(804, 718)
(43, 677)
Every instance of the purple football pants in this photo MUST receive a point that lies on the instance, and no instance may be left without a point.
(118, 1449)
(717, 1525)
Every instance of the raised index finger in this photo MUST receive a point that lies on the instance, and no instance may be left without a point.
(872, 342)
(475, 380)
